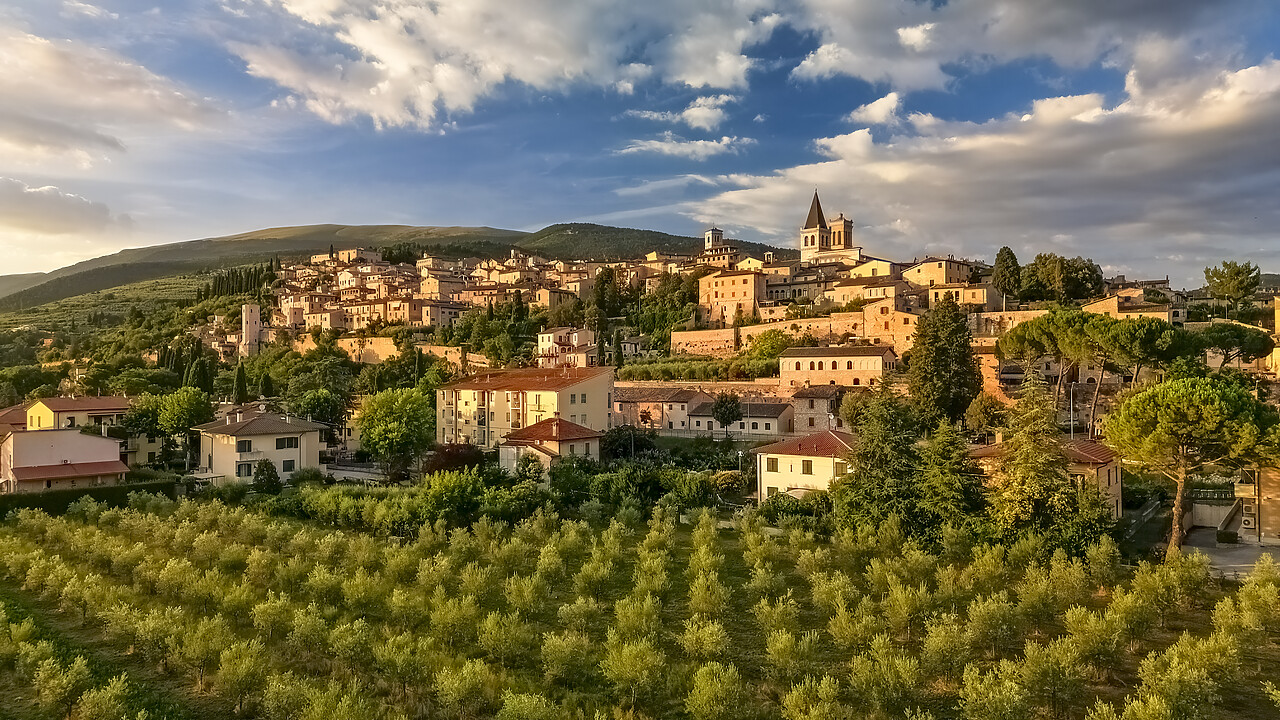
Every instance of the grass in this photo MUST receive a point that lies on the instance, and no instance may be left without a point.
(61, 314)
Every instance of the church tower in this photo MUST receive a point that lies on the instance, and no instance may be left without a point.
(815, 237)
(712, 239)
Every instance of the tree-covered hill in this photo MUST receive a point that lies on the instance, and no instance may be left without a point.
(586, 240)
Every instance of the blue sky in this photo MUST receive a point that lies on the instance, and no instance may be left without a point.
(1141, 133)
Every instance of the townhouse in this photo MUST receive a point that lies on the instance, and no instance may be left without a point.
(482, 409)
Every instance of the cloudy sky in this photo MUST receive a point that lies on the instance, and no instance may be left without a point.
(1142, 133)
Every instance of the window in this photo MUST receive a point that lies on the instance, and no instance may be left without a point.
(572, 449)
(771, 465)
(244, 469)
(848, 365)
(742, 426)
(772, 491)
(697, 423)
(286, 443)
(755, 426)
(151, 458)
(806, 467)
(573, 398)
(841, 468)
(819, 364)
(797, 365)
(768, 426)
(243, 446)
(810, 403)
(811, 366)
(857, 381)
(584, 399)
(810, 422)
(287, 466)
(586, 448)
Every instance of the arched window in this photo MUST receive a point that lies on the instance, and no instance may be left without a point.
(810, 364)
(797, 365)
(819, 364)
(848, 365)
(856, 381)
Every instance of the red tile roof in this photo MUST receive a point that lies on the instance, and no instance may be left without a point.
(831, 443)
(264, 424)
(1082, 451)
(839, 351)
(538, 379)
(72, 404)
(68, 470)
(552, 429)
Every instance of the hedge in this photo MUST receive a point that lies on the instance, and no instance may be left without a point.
(55, 502)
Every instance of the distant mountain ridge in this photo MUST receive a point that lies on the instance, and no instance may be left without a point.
(570, 241)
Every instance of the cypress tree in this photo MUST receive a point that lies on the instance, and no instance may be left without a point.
(1032, 488)
(882, 478)
(240, 386)
(1006, 276)
(266, 387)
(943, 371)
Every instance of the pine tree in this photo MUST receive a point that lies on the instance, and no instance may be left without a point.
(240, 386)
(951, 488)
(882, 471)
(943, 371)
(1032, 489)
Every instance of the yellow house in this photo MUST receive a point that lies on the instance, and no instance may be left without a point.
(70, 412)
(812, 462)
(549, 441)
(483, 409)
(231, 448)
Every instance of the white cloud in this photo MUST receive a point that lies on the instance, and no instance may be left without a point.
(704, 113)
(680, 182)
(48, 210)
(1166, 178)
(880, 112)
(66, 100)
(910, 44)
(71, 8)
(675, 146)
(401, 63)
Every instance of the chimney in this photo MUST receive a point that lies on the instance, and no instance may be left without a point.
(228, 419)
(239, 416)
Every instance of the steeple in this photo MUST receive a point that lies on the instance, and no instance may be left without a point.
(816, 218)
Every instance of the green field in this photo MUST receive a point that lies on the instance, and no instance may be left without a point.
(118, 301)
(210, 608)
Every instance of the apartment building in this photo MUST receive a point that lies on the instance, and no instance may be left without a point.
(563, 346)
(938, 271)
(851, 365)
(804, 464)
(483, 409)
(71, 412)
(727, 294)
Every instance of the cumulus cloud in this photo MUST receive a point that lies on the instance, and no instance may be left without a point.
(401, 63)
(910, 44)
(50, 211)
(64, 99)
(1164, 178)
(704, 113)
(673, 145)
(880, 112)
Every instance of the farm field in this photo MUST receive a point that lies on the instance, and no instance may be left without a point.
(219, 611)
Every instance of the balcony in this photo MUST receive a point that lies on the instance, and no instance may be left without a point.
(250, 456)
(1246, 489)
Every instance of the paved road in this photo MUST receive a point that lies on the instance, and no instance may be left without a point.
(1227, 559)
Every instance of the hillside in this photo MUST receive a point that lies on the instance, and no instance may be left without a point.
(13, 283)
(586, 240)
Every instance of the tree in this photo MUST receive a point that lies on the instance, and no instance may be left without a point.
(203, 644)
(143, 416)
(240, 386)
(526, 706)
(951, 488)
(1006, 277)
(266, 387)
(266, 479)
(105, 702)
(320, 405)
(182, 410)
(1235, 342)
(242, 671)
(632, 667)
(1054, 277)
(1180, 426)
(1233, 282)
(943, 372)
(397, 426)
(60, 687)
(882, 470)
(726, 410)
(1032, 489)
(984, 415)
(717, 693)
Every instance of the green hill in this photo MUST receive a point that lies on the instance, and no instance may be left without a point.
(568, 241)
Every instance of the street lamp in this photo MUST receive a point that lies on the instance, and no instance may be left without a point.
(740, 454)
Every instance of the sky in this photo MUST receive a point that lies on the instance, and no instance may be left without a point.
(1144, 134)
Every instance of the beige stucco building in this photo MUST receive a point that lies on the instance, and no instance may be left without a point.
(483, 409)
(812, 462)
(725, 295)
(1088, 463)
(852, 365)
(549, 441)
(58, 459)
(231, 448)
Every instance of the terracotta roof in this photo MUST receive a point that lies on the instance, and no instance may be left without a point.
(64, 404)
(750, 409)
(67, 470)
(838, 351)
(553, 429)
(654, 394)
(823, 392)
(263, 424)
(528, 379)
(830, 443)
(816, 219)
(1081, 451)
